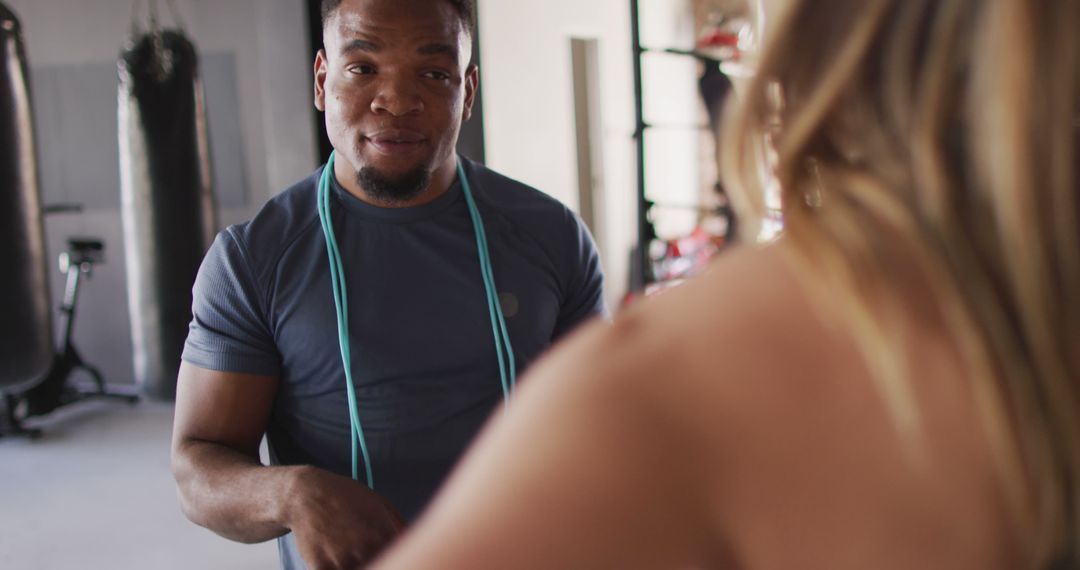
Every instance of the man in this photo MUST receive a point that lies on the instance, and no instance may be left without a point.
(263, 355)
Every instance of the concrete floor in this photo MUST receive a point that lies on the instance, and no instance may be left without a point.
(95, 492)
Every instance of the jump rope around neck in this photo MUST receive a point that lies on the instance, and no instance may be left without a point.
(505, 353)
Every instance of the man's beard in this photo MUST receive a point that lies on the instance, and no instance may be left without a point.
(393, 191)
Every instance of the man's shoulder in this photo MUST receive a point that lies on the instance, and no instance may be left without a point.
(279, 223)
(524, 205)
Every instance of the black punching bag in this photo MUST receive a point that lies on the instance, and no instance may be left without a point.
(167, 204)
(26, 348)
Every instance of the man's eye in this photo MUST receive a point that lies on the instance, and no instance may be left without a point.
(362, 69)
(437, 75)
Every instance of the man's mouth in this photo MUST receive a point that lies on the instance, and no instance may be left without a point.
(395, 141)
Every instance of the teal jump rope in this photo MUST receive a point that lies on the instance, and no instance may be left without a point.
(505, 353)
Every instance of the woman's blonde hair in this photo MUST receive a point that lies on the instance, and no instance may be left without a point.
(939, 138)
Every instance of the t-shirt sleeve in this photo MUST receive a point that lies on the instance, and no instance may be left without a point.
(584, 291)
(229, 331)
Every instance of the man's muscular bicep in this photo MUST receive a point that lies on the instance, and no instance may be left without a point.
(226, 408)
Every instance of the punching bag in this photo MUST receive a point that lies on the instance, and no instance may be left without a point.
(166, 199)
(26, 348)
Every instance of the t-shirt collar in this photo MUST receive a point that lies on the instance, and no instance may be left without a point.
(394, 215)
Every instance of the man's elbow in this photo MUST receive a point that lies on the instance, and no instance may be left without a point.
(185, 474)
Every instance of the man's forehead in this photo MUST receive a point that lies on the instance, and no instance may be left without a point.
(372, 32)
(398, 18)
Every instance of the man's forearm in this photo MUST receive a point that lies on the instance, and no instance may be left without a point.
(231, 493)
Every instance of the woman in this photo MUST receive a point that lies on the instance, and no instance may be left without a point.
(892, 384)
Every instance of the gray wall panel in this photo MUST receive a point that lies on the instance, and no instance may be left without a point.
(75, 111)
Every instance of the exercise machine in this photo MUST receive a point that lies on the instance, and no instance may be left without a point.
(59, 389)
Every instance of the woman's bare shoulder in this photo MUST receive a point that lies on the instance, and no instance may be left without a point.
(747, 319)
(795, 437)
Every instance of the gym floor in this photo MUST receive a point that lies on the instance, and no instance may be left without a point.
(94, 491)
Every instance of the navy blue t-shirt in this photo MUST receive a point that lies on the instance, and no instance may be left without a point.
(424, 360)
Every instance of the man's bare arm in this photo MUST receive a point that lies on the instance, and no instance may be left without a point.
(220, 420)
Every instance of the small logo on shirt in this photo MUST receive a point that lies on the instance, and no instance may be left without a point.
(509, 303)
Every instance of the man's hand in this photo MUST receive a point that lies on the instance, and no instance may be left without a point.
(338, 523)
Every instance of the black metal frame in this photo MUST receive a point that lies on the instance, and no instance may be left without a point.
(641, 267)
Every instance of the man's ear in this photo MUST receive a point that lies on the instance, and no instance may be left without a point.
(472, 84)
(320, 80)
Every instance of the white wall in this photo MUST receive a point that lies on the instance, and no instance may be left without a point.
(267, 38)
(529, 108)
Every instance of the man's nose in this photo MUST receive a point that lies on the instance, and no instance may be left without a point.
(397, 96)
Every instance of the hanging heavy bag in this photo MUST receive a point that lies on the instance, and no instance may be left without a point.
(26, 346)
(167, 205)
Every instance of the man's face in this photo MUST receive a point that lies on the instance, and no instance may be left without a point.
(395, 84)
